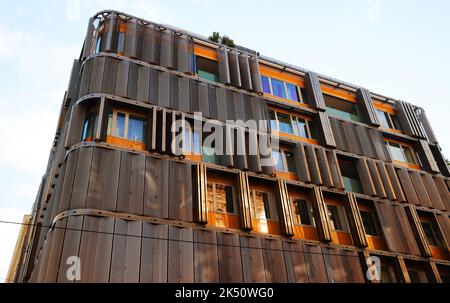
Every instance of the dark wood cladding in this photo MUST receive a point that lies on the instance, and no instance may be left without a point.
(285, 210)
(355, 221)
(314, 92)
(359, 140)
(244, 201)
(426, 157)
(326, 130)
(321, 214)
(418, 231)
(365, 100)
(396, 228)
(409, 119)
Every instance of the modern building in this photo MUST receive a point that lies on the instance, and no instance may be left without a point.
(355, 181)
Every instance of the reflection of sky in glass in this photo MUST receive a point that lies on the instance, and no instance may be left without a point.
(278, 88)
(136, 129)
(120, 125)
(265, 84)
(292, 92)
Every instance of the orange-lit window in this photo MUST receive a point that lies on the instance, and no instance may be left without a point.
(284, 160)
(303, 212)
(121, 38)
(264, 211)
(402, 153)
(338, 219)
(126, 129)
(370, 223)
(221, 205)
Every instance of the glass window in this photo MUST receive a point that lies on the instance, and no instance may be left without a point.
(414, 276)
(120, 125)
(312, 130)
(285, 123)
(304, 212)
(121, 42)
(265, 85)
(383, 118)
(400, 153)
(207, 69)
(433, 234)
(342, 108)
(292, 92)
(301, 127)
(350, 177)
(209, 155)
(395, 122)
(278, 88)
(333, 214)
(98, 45)
(224, 199)
(273, 120)
(136, 128)
(90, 127)
(408, 154)
(261, 207)
(277, 160)
(196, 142)
(387, 275)
(290, 162)
(370, 223)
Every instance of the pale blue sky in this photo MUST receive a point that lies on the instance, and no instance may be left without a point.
(397, 48)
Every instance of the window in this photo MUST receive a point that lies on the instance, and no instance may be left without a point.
(281, 89)
(291, 124)
(414, 276)
(387, 274)
(388, 120)
(284, 161)
(89, 127)
(350, 177)
(129, 128)
(220, 198)
(303, 212)
(262, 207)
(192, 141)
(401, 152)
(342, 108)
(370, 223)
(121, 38)
(335, 217)
(207, 69)
(433, 234)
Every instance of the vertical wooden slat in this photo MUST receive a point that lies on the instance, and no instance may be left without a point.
(432, 191)
(408, 186)
(403, 270)
(396, 186)
(366, 144)
(366, 104)
(274, 261)
(284, 209)
(351, 137)
(377, 139)
(180, 255)
(443, 221)
(376, 178)
(356, 224)
(230, 264)
(365, 177)
(71, 246)
(110, 76)
(246, 76)
(321, 214)
(315, 264)
(301, 163)
(206, 261)
(154, 253)
(417, 229)
(89, 40)
(325, 130)
(435, 272)
(335, 170)
(420, 189)
(180, 196)
(295, 262)
(244, 201)
(426, 156)
(167, 49)
(131, 184)
(409, 120)
(200, 194)
(122, 78)
(314, 91)
(252, 260)
(313, 166)
(386, 181)
(235, 73)
(325, 171)
(98, 69)
(256, 76)
(443, 191)
(224, 69)
(156, 188)
(427, 126)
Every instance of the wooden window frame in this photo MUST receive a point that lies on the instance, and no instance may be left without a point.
(124, 141)
(415, 165)
(285, 173)
(390, 111)
(296, 134)
(233, 191)
(296, 217)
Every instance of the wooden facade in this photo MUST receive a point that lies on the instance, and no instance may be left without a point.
(143, 213)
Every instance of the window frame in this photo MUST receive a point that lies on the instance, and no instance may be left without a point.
(214, 195)
(308, 120)
(402, 145)
(298, 89)
(283, 151)
(374, 222)
(111, 128)
(297, 217)
(343, 220)
(438, 238)
(354, 104)
(272, 208)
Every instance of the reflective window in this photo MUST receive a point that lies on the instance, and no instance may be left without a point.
(220, 198)
(207, 69)
(265, 85)
(335, 218)
(292, 92)
(120, 125)
(277, 160)
(278, 88)
(89, 127)
(285, 123)
(136, 128)
(400, 152)
(433, 234)
(261, 207)
(290, 161)
(350, 177)
(303, 212)
(370, 223)
(342, 108)
(388, 120)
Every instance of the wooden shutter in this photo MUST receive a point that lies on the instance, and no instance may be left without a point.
(285, 210)
(200, 179)
(355, 221)
(321, 215)
(366, 104)
(314, 92)
(325, 130)
(244, 201)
